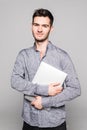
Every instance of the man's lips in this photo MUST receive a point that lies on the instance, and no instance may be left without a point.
(39, 34)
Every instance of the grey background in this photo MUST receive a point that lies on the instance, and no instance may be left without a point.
(70, 34)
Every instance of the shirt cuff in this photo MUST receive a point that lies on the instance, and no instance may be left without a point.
(46, 102)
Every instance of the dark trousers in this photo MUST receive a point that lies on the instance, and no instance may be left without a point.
(28, 127)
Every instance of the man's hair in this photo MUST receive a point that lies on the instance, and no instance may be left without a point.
(43, 13)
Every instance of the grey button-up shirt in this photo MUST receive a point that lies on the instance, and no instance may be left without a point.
(26, 65)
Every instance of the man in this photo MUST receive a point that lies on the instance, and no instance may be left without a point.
(47, 110)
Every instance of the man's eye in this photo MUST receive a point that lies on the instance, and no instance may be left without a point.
(35, 24)
(45, 26)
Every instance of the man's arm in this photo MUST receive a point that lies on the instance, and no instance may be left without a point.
(59, 98)
(20, 80)
(54, 89)
(71, 91)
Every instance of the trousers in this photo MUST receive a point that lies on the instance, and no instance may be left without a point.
(28, 127)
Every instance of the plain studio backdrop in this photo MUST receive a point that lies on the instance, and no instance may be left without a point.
(70, 34)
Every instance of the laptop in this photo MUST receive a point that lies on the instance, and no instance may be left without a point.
(47, 74)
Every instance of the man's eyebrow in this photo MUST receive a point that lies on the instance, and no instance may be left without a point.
(35, 23)
(47, 25)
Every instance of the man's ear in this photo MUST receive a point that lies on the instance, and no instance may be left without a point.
(52, 28)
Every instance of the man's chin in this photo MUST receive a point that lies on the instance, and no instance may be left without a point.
(40, 40)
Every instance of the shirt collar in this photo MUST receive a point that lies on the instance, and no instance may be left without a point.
(49, 46)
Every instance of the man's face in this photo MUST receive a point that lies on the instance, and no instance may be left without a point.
(41, 28)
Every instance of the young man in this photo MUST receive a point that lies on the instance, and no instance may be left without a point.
(47, 110)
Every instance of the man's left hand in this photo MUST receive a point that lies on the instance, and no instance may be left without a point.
(37, 102)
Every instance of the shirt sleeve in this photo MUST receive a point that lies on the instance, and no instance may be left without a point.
(72, 89)
(20, 80)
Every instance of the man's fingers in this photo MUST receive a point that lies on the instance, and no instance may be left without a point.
(55, 84)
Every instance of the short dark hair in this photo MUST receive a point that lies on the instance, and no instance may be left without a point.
(43, 13)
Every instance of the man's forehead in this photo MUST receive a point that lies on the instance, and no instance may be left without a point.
(41, 20)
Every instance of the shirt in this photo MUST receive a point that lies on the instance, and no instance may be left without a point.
(27, 62)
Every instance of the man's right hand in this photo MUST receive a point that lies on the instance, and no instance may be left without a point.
(54, 89)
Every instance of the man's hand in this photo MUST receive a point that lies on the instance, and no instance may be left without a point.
(54, 89)
(37, 102)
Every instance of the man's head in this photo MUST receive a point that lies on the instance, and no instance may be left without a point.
(42, 22)
(43, 13)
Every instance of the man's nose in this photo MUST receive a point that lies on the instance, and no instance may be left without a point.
(39, 29)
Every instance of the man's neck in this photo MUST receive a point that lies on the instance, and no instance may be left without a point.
(41, 47)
